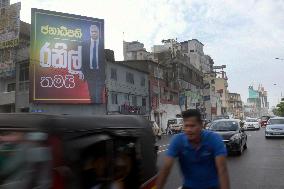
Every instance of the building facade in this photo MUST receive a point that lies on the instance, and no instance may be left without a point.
(127, 90)
(235, 106)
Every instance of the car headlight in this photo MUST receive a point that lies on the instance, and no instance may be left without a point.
(268, 129)
(235, 137)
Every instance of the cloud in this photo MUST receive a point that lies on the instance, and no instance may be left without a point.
(246, 36)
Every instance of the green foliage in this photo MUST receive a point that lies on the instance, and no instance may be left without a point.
(279, 110)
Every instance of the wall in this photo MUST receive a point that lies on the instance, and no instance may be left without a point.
(122, 88)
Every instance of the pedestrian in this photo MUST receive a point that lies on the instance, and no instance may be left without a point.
(201, 155)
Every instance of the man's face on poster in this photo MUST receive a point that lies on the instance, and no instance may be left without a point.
(94, 32)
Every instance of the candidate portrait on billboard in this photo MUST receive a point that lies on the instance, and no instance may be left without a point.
(67, 58)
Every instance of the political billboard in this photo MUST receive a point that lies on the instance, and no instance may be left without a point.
(67, 58)
(9, 25)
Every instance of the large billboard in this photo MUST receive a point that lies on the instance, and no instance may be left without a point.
(9, 25)
(67, 58)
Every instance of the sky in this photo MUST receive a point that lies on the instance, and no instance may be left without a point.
(244, 35)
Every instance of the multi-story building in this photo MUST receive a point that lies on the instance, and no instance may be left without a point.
(235, 105)
(14, 74)
(163, 96)
(257, 104)
(127, 89)
(212, 99)
(134, 51)
(221, 87)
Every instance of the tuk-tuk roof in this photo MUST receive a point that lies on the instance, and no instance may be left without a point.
(70, 122)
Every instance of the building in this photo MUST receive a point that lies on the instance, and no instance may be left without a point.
(221, 87)
(211, 98)
(257, 104)
(163, 96)
(127, 89)
(134, 51)
(14, 74)
(235, 106)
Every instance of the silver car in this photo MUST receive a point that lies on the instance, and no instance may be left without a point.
(275, 127)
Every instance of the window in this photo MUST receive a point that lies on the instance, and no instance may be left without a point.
(129, 78)
(24, 77)
(113, 98)
(24, 72)
(113, 74)
(143, 81)
(144, 101)
(11, 87)
(134, 100)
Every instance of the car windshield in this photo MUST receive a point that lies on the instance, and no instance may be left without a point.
(224, 126)
(276, 121)
(251, 120)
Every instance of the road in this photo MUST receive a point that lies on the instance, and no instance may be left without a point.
(260, 167)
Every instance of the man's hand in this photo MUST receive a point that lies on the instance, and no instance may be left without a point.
(165, 171)
(221, 166)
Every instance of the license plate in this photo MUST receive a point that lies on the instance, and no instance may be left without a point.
(277, 133)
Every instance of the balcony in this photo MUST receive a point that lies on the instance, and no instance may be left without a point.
(7, 98)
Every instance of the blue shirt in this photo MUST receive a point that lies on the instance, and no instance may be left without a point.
(198, 165)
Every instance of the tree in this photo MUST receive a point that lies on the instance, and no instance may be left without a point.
(279, 110)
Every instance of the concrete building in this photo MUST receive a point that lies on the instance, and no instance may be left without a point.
(163, 96)
(221, 87)
(212, 99)
(235, 105)
(127, 89)
(134, 51)
(14, 74)
(257, 104)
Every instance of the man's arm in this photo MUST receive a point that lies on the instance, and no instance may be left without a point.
(223, 175)
(165, 171)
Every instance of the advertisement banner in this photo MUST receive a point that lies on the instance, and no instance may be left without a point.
(9, 25)
(67, 58)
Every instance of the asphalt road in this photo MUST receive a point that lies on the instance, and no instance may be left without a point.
(261, 166)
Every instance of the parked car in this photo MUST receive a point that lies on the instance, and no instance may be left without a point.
(156, 130)
(251, 124)
(275, 127)
(175, 125)
(233, 135)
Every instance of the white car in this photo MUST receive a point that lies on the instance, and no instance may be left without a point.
(251, 124)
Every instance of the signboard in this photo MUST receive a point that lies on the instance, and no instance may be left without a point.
(9, 25)
(219, 67)
(67, 58)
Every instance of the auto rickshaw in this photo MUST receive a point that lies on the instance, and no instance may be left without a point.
(76, 152)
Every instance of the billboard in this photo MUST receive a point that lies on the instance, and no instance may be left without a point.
(9, 25)
(67, 58)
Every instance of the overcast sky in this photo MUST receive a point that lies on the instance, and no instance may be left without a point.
(245, 36)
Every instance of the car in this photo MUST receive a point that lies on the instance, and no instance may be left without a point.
(275, 127)
(175, 125)
(233, 134)
(251, 124)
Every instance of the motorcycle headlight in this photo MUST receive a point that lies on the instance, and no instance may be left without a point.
(235, 137)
